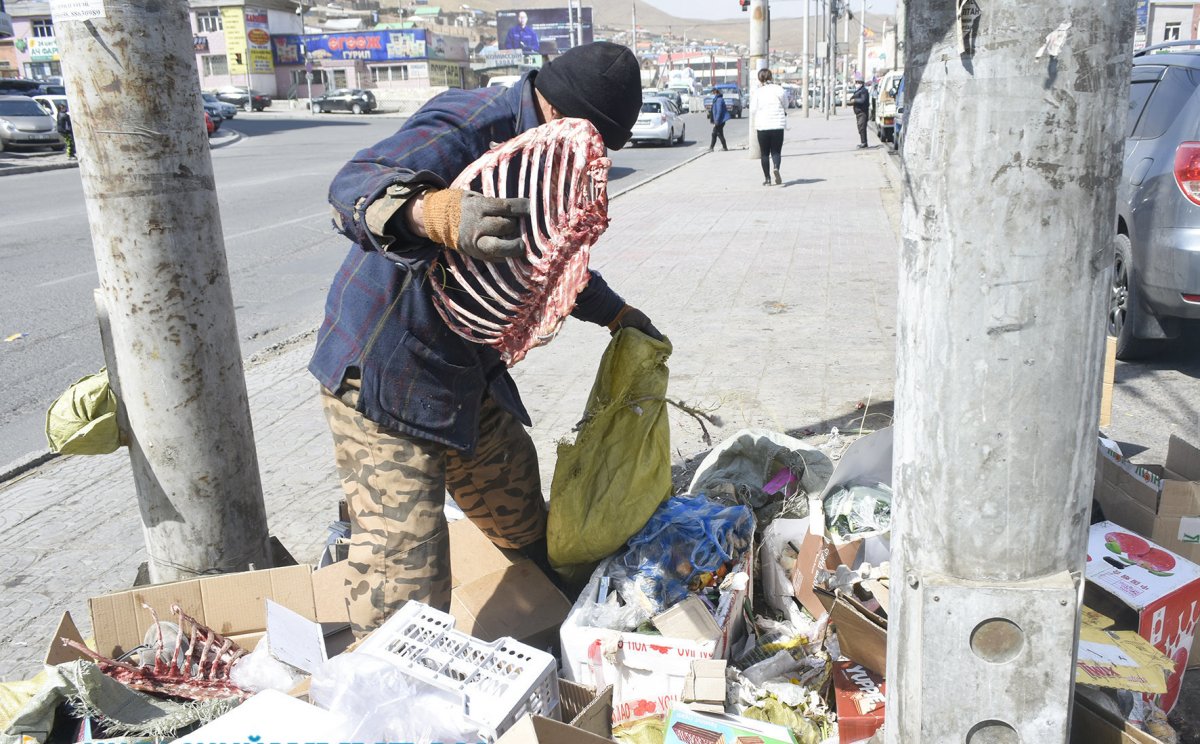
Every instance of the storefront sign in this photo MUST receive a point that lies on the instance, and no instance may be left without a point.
(247, 41)
(233, 20)
(43, 50)
(258, 42)
(447, 47)
(369, 46)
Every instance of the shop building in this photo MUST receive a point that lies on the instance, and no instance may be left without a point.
(233, 43)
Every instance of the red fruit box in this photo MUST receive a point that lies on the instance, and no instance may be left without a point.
(1146, 588)
(860, 696)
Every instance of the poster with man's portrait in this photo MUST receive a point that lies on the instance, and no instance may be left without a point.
(540, 30)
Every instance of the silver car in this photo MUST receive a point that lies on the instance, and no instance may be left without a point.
(1156, 271)
(23, 123)
(658, 121)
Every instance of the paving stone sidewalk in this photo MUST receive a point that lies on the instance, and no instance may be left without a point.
(780, 302)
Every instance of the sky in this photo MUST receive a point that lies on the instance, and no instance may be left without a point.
(719, 9)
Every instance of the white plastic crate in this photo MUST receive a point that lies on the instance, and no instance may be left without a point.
(499, 682)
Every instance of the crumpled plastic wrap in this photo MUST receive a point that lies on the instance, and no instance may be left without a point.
(858, 509)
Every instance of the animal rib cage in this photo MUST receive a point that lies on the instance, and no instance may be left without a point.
(521, 303)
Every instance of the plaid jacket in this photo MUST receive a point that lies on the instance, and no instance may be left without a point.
(418, 377)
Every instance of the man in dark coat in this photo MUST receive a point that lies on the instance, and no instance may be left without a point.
(862, 104)
(718, 116)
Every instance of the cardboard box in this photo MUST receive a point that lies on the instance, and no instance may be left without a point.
(1106, 389)
(537, 730)
(862, 635)
(1145, 588)
(1161, 502)
(587, 715)
(1118, 659)
(867, 460)
(693, 727)
(648, 672)
(231, 604)
(860, 696)
(1092, 725)
(495, 593)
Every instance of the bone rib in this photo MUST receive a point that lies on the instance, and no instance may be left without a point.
(563, 169)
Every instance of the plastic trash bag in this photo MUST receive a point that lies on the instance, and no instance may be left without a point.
(83, 420)
(608, 483)
(687, 536)
(380, 703)
(858, 509)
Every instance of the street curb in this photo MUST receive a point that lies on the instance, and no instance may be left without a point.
(660, 174)
(26, 464)
(17, 170)
(237, 137)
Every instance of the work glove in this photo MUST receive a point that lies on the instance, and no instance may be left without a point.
(631, 317)
(479, 226)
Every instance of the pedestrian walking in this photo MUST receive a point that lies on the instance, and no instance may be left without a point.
(67, 132)
(416, 410)
(718, 115)
(768, 108)
(861, 101)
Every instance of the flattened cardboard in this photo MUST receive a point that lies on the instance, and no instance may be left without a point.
(1110, 374)
(231, 604)
(689, 620)
(1121, 660)
(58, 653)
(862, 635)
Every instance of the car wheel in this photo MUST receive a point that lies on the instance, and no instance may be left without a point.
(316, 108)
(1124, 304)
(682, 134)
(58, 148)
(247, 106)
(356, 109)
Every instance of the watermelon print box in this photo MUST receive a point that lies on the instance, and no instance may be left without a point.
(1148, 589)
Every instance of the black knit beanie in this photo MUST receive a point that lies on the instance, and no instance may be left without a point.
(600, 82)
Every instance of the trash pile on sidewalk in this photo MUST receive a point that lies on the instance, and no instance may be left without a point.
(751, 606)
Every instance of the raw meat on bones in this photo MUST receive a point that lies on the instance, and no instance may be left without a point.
(519, 304)
(198, 672)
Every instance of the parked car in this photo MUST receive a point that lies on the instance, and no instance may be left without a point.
(213, 104)
(19, 87)
(23, 123)
(354, 100)
(885, 105)
(243, 98)
(658, 122)
(209, 124)
(1155, 288)
(685, 96)
(503, 81)
(733, 99)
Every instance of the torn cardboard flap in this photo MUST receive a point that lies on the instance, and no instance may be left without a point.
(234, 605)
(1121, 660)
(862, 635)
(59, 653)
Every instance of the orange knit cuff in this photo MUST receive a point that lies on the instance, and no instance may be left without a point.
(442, 214)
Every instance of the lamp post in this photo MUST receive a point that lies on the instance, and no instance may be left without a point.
(302, 11)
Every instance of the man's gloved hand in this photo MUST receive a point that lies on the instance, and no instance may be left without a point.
(631, 317)
(482, 227)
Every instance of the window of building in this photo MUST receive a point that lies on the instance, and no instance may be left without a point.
(389, 73)
(215, 64)
(42, 70)
(208, 20)
(43, 29)
(1171, 32)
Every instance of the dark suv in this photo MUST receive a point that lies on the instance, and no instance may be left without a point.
(1156, 270)
(345, 99)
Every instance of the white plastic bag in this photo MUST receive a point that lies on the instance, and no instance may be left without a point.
(379, 702)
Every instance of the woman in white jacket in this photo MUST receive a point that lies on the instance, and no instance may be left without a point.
(768, 106)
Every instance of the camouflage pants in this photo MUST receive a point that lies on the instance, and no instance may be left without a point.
(396, 487)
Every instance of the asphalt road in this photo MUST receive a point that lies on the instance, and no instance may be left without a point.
(280, 247)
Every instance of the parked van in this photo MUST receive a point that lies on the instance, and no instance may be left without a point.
(504, 81)
(885, 106)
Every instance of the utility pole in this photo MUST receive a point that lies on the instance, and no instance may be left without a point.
(807, 56)
(759, 55)
(862, 42)
(846, 45)
(634, 5)
(1006, 246)
(156, 232)
(830, 50)
(901, 30)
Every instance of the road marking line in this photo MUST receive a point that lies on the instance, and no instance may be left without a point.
(244, 233)
(65, 279)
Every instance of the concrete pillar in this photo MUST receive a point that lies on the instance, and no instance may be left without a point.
(758, 60)
(1011, 160)
(156, 232)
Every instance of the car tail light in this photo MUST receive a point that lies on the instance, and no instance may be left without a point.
(1187, 170)
(1191, 298)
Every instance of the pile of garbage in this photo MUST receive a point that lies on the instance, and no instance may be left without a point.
(751, 605)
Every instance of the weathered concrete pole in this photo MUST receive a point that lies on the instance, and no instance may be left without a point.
(1011, 159)
(758, 60)
(156, 231)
